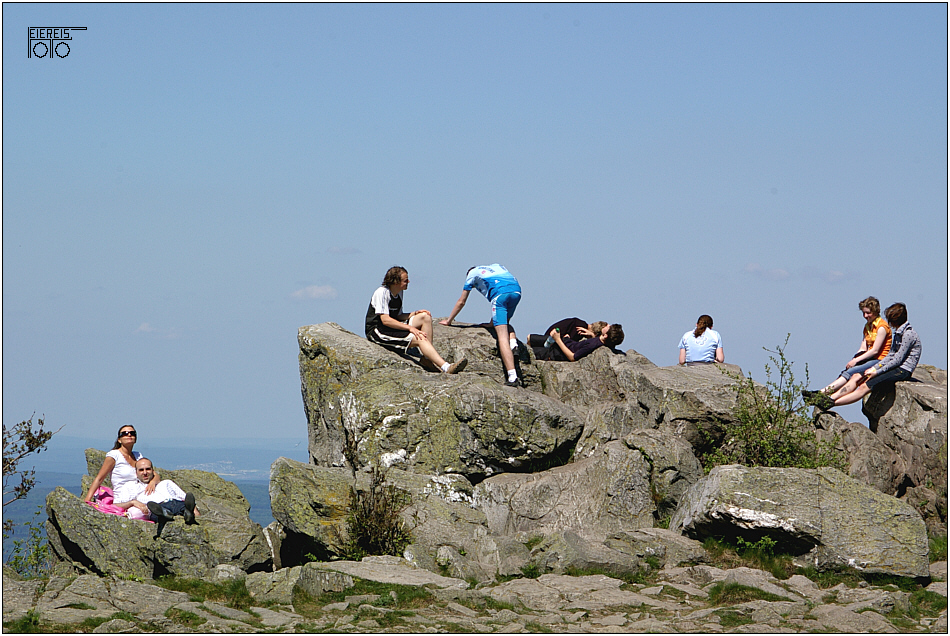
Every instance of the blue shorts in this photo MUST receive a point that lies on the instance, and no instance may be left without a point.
(503, 307)
(894, 375)
(858, 369)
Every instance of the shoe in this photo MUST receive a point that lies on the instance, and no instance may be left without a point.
(429, 365)
(807, 394)
(515, 382)
(156, 509)
(456, 367)
(823, 401)
(189, 512)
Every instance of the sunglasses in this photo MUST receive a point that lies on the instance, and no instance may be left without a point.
(127, 434)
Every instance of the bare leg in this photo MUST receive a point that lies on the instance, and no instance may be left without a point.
(848, 387)
(854, 396)
(507, 357)
(422, 322)
(425, 346)
(834, 386)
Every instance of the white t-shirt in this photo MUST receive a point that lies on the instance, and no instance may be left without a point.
(123, 472)
(164, 491)
(703, 348)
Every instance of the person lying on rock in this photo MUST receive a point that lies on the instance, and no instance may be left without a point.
(504, 293)
(573, 328)
(119, 464)
(610, 335)
(167, 501)
(897, 366)
(702, 345)
(875, 345)
(389, 327)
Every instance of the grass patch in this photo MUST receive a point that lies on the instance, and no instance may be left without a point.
(233, 593)
(80, 606)
(531, 571)
(760, 555)
(183, 617)
(640, 577)
(538, 628)
(538, 539)
(735, 593)
(29, 624)
(938, 548)
(831, 578)
(407, 597)
(729, 619)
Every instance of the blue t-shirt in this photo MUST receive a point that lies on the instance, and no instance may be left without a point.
(703, 348)
(491, 280)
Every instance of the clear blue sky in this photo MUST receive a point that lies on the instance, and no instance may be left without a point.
(192, 183)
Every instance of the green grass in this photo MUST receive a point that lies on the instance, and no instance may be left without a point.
(538, 628)
(408, 599)
(729, 619)
(735, 593)
(938, 548)
(761, 555)
(531, 571)
(233, 594)
(640, 577)
(534, 541)
(29, 624)
(183, 617)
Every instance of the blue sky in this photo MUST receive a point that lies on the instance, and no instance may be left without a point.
(192, 183)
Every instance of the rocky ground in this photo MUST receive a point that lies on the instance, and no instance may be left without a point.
(697, 599)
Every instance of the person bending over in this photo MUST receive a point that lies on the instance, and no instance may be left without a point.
(897, 366)
(389, 327)
(610, 335)
(703, 345)
(168, 500)
(875, 344)
(504, 293)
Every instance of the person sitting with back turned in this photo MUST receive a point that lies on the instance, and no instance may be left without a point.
(610, 335)
(897, 366)
(702, 345)
(389, 327)
(162, 504)
(504, 293)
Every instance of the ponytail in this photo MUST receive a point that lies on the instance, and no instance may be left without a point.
(704, 322)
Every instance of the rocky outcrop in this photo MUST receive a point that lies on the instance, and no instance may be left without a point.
(903, 451)
(832, 517)
(671, 600)
(106, 544)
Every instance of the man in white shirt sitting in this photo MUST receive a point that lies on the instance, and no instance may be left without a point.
(165, 502)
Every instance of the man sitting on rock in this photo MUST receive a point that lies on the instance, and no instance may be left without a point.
(162, 505)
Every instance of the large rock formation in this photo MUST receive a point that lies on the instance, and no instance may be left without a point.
(564, 472)
(106, 544)
(837, 519)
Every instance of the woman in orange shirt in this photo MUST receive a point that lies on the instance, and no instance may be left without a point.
(875, 345)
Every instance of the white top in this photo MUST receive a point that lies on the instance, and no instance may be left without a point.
(703, 348)
(165, 491)
(123, 472)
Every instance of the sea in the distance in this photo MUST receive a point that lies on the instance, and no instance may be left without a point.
(244, 461)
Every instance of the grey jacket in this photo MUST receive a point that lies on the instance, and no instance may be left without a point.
(905, 350)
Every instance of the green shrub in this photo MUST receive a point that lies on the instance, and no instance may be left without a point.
(735, 593)
(772, 424)
(232, 593)
(938, 548)
(31, 556)
(373, 524)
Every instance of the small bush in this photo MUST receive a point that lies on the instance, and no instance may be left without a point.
(29, 624)
(373, 524)
(772, 425)
(31, 556)
(233, 593)
(531, 571)
(183, 617)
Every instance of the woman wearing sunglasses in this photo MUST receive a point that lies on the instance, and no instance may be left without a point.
(120, 464)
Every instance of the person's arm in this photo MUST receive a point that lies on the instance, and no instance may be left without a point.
(150, 486)
(584, 332)
(720, 356)
(392, 323)
(682, 356)
(458, 307)
(893, 359)
(871, 353)
(106, 470)
(560, 343)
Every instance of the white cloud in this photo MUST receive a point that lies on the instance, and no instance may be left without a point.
(772, 274)
(315, 292)
(167, 334)
(145, 328)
